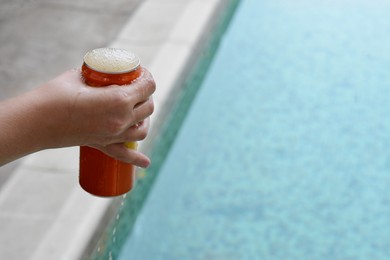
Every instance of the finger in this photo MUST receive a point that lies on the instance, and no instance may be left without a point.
(121, 153)
(137, 132)
(134, 133)
(143, 110)
(144, 86)
(143, 123)
(139, 90)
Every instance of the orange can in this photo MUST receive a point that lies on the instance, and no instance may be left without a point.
(100, 174)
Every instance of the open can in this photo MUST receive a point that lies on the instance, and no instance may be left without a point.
(100, 174)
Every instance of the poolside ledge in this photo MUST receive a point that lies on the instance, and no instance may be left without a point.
(43, 211)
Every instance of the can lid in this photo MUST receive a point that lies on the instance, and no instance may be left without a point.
(111, 60)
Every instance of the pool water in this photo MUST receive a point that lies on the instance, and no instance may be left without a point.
(285, 151)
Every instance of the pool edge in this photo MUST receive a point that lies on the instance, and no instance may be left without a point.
(82, 215)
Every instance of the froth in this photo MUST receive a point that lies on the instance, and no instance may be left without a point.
(111, 60)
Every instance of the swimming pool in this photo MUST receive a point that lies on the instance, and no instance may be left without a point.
(283, 153)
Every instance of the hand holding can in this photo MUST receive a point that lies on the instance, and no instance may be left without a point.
(100, 174)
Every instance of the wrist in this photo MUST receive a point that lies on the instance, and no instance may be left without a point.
(46, 119)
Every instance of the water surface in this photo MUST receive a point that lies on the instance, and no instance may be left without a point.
(284, 153)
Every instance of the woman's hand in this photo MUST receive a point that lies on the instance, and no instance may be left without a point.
(66, 112)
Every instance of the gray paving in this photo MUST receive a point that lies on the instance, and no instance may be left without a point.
(41, 38)
(42, 199)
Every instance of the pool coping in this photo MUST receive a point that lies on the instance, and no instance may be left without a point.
(44, 188)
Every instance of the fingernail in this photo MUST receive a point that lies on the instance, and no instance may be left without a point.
(146, 164)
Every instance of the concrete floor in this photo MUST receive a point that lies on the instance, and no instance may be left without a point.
(39, 39)
(44, 214)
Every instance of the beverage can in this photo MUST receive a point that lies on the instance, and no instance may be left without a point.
(100, 174)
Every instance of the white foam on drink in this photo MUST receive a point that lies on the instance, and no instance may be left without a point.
(111, 60)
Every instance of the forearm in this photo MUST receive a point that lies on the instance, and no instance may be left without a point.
(23, 126)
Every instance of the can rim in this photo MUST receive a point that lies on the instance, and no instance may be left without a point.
(136, 66)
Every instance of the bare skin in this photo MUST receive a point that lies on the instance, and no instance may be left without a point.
(65, 112)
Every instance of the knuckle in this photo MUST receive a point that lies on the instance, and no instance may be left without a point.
(151, 106)
(143, 134)
(120, 98)
(152, 85)
(149, 85)
(116, 126)
(136, 134)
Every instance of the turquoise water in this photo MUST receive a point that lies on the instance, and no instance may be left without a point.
(284, 153)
